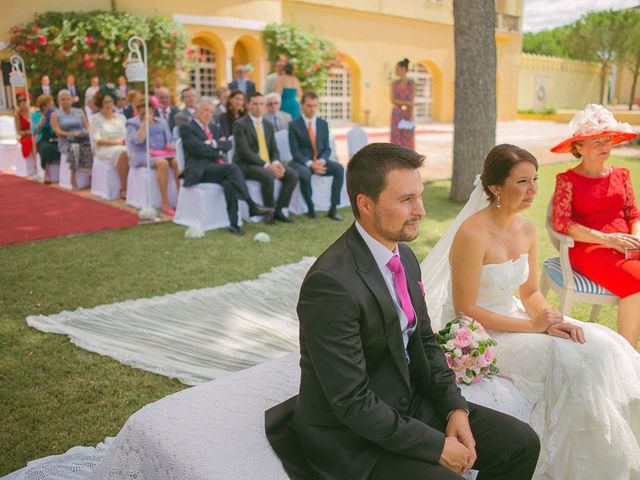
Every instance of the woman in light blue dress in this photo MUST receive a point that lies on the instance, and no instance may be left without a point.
(288, 86)
(161, 149)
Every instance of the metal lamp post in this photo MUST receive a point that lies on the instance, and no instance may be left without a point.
(18, 79)
(136, 71)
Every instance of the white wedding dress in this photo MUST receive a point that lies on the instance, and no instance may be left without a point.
(585, 397)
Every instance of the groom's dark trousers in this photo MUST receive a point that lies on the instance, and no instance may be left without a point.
(366, 409)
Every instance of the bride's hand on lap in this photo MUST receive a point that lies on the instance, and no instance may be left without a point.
(545, 319)
(567, 330)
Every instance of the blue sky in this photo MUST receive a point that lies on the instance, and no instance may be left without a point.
(541, 14)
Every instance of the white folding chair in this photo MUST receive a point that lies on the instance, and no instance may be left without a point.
(137, 184)
(202, 205)
(83, 177)
(105, 181)
(9, 144)
(357, 138)
(570, 285)
(332, 145)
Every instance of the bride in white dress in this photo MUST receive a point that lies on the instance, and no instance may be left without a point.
(582, 379)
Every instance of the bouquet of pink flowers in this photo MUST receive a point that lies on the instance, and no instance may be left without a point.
(469, 350)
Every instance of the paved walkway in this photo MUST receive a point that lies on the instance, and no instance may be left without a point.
(435, 141)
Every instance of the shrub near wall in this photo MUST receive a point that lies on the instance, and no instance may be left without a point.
(311, 55)
(95, 43)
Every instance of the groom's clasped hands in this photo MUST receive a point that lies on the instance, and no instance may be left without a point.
(459, 452)
(552, 322)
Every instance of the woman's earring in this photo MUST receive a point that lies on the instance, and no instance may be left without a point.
(498, 204)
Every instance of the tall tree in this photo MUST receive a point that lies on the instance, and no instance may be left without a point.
(551, 42)
(475, 91)
(596, 37)
(628, 54)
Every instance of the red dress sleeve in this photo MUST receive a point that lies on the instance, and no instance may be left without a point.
(631, 212)
(561, 220)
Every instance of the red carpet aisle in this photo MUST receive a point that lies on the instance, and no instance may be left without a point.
(32, 211)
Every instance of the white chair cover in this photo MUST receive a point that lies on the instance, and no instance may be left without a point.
(83, 177)
(10, 156)
(105, 182)
(321, 196)
(357, 138)
(25, 167)
(137, 184)
(256, 195)
(332, 145)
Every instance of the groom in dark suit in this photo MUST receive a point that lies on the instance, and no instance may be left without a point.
(377, 399)
(203, 147)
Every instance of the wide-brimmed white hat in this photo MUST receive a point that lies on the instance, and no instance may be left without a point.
(592, 122)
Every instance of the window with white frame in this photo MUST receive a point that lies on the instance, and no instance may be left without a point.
(203, 77)
(423, 88)
(335, 104)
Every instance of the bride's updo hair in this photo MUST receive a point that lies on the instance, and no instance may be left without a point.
(499, 163)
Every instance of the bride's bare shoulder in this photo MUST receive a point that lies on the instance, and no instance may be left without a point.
(474, 228)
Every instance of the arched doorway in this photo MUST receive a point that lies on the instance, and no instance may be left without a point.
(248, 50)
(336, 101)
(203, 76)
(423, 99)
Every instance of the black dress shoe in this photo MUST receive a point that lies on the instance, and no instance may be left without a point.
(256, 210)
(311, 214)
(268, 219)
(236, 230)
(334, 215)
(281, 217)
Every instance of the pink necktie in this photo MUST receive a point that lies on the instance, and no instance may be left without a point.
(400, 282)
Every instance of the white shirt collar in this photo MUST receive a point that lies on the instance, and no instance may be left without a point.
(255, 119)
(307, 120)
(380, 253)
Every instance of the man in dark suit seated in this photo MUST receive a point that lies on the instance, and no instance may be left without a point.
(377, 399)
(241, 82)
(164, 109)
(189, 97)
(258, 158)
(310, 149)
(203, 147)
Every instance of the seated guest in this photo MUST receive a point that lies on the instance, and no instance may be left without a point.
(122, 88)
(46, 139)
(91, 90)
(221, 107)
(44, 88)
(134, 97)
(108, 134)
(23, 125)
(161, 150)
(203, 145)
(594, 204)
(242, 81)
(189, 97)
(72, 128)
(235, 110)
(257, 156)
(77, 96)
(121, 103)
(279, 119)
(165, 109)
(310, 149)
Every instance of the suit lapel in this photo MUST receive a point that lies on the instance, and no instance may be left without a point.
(196, 127)
(371, 276)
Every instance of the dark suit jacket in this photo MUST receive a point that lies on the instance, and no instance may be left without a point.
(173, 110)
(251, 87)
(79, 93)
(197, 153)
(38, 91)
(246, 141)
(356, 385)
(300, 142)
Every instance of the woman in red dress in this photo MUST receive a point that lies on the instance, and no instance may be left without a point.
(402, 94)
(594, 204)
(23, 126)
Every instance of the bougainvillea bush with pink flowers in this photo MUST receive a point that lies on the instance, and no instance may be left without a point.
(311, 55)
(468, 349)
(95, 43)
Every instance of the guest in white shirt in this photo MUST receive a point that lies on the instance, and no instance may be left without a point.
(92, 90)
(108, 133)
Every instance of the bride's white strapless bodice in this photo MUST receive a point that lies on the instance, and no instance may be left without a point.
(498, 282)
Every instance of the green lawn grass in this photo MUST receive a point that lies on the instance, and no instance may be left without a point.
(55, 395)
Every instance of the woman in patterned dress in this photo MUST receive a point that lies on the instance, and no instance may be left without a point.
(595, 205)
(402, 95)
